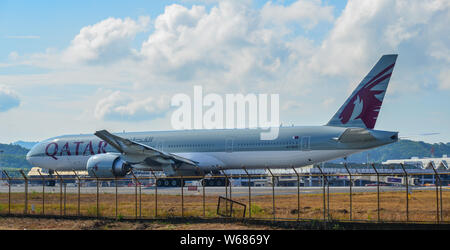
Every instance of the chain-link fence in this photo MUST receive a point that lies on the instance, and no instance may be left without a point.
(373, 196)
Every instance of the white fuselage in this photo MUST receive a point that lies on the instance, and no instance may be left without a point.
(225, 160)
(211, 149)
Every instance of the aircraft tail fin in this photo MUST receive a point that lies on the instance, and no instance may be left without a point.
(361, 109)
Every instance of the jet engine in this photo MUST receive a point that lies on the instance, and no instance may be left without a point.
(107, 165)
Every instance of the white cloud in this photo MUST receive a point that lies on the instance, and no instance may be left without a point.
(119, 106)
(230, 47)
(328, 101)
(307, 13)
(353, 38)
(107, 40)
(231, 44)
(292, 105)
(13, 56)
(8, 99)
(23, 37)
(444, 79)
(416, 30)
(233, 47)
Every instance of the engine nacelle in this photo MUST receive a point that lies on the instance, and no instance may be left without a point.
(107, 165)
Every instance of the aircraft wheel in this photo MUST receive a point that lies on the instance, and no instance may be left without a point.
(166, 183)
(175, 183)
(160, 183)
(219, 182)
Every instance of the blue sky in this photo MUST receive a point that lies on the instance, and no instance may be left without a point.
(69, 67)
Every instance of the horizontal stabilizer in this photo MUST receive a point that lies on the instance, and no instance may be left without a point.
(354, 135)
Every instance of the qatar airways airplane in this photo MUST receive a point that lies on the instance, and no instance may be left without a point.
(194, 153)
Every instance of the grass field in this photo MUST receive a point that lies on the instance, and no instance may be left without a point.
(421, 206)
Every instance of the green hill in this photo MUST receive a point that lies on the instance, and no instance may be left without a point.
(403, 149)
(13, 157)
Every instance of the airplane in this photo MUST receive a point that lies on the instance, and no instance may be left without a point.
(196, 153)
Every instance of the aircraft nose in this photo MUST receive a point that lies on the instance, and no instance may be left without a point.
(32, 153)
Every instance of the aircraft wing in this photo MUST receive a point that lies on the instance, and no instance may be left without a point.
(137, 153)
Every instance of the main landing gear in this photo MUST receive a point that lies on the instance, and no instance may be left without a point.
(175, 182)
(216, 182)
(170, 182)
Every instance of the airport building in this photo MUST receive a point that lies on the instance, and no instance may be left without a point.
(427, 167)
(424, 163)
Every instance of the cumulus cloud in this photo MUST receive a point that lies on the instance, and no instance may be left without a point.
(444, 79)
(8, 99)
(119, 106)
(367, 29)
(187, 43)
(292, 105)
(230, 46)
(105, 41)
(307, 13)
(328, 101)
(231, 43)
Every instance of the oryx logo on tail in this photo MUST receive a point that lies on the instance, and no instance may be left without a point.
(363, 106)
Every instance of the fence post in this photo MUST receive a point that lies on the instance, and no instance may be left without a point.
(227, 183)
(298, 193)
(203, 188)
(378, 191)
(9, 191)
(26, 191)
(135, 194)
(97, 197)
(350, 186)
(226, 191)
(156, 193)
(60, 193)
(116, 198)
(440, 197)
(140, 199)
(140, 194)
(79, 184)
(65, 198)
(328, 198)
(43, 191)
(273, 192)
(437, 180)
(324, 179)
(249, 195)
(182, 195)
(407, 193)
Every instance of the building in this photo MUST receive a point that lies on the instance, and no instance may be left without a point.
(424, 163)
(426, 168)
